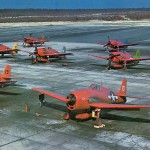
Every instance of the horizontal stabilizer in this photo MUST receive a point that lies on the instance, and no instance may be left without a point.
(102, 57)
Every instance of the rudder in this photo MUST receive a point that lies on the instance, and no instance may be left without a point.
(42, 40)
(137, 54)
(123, 88)
(15, 46)
(6, 72)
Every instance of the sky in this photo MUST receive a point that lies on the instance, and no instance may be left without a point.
(74, 4)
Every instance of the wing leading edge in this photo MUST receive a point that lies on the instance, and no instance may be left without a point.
(51, 94)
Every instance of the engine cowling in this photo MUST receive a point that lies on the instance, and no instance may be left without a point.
(78, 100)
(83, 116)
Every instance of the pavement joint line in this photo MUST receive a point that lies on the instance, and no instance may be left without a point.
(24, 138)
(10, 142)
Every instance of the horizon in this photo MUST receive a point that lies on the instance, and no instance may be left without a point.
(71, 4)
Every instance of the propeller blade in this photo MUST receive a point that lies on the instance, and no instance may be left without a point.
(109, 64)
(31, 34)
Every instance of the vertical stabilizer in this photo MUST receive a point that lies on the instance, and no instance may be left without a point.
(42, 40)
(15, 46)
(123, 88)
(6, 72)
(137, 54)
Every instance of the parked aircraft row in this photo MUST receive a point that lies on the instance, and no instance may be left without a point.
(117, 57)
(80, 100)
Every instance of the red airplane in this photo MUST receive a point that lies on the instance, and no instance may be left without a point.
(7, 50)
(114, 45)
(86, 108)
(5, 76)
(43, 54)
(121, 59)
(31, 41)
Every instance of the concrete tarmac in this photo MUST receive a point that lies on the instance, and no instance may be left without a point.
(124, 129)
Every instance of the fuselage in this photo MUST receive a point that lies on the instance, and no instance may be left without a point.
(120, 57)
(80, 100)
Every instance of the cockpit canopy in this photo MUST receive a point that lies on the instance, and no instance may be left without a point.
(95, 87)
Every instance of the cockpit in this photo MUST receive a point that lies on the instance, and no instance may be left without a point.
(95, 87)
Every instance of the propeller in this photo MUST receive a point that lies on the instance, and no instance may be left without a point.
(64, 51)
(31, 34)
(109, 64)
(34, 53)
(125, 65)
(35, 50)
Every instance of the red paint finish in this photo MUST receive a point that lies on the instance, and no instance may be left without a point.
(121, 59)
(44, 53)
(83, 116)
(115, 45)
(5, 76)
(31, 41)
(7, 50)
(80, 100)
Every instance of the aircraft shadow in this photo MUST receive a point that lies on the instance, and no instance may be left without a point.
(124, 118)
(18, 85)
(105, 114)
(8, 93)
(139, 68)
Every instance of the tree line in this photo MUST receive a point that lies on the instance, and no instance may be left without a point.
(47, 15)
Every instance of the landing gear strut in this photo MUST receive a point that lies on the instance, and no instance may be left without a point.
(41, 99)
(96, 115)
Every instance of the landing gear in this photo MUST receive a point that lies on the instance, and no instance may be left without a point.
(109, 65)
(2, 85)
(125, 65)
(96, 115)
(67, 115)
(41, 99)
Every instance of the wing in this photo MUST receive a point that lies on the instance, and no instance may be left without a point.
(26, 51)
(100, 43)
(135, 59)
(7, 81)
(51, 94)
(7, 50)
(58, 54)
(117, 106)
(130, 44)
(102, 57)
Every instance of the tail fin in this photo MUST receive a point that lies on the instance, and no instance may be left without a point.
(6, 72)
(42, 40)
(15, 46)
(137, 54)
(123, 88)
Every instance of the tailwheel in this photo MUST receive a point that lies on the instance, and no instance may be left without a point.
(47, 62)
(125, 65)
(2, 85)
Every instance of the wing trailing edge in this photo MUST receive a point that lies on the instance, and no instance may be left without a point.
(117, 106)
